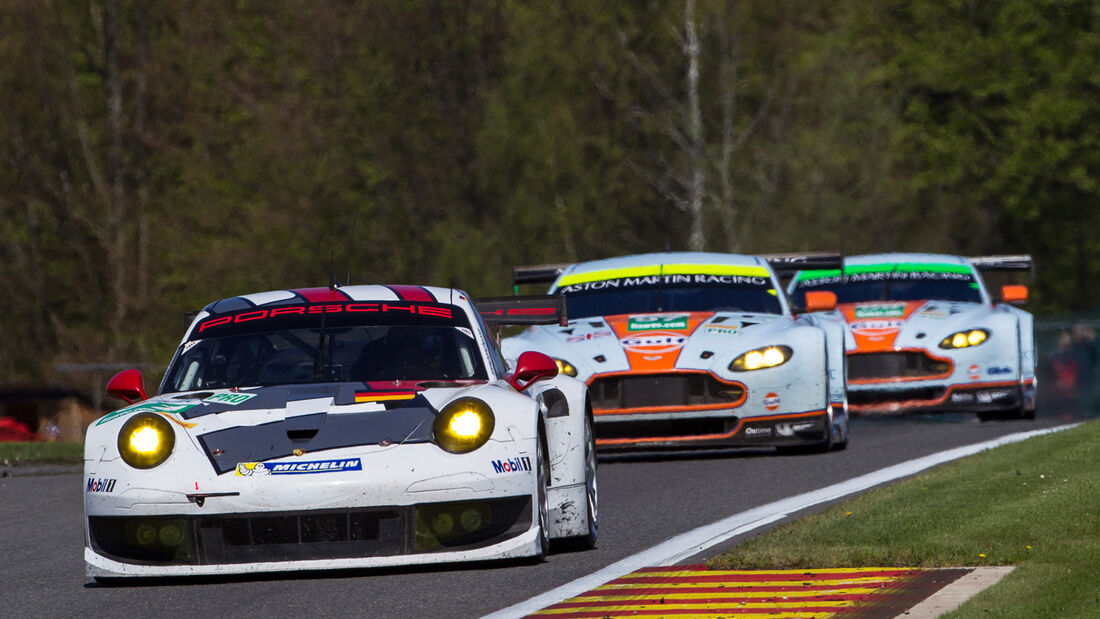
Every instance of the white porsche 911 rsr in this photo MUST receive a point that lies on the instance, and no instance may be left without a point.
(925, 336)
(695, 349)
(338, 427)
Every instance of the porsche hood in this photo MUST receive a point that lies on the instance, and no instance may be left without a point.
(254, 425)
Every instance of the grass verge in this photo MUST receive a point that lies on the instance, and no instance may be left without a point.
(1034, 504)
(34, 452)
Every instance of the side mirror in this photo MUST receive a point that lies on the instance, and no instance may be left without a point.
(530, 367)
(127, 385)
(1014, 294)
(820, 300)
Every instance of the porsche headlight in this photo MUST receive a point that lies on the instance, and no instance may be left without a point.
(463, 425)
(760, 358)
(965, 339)
(564, 367)
(146, 440)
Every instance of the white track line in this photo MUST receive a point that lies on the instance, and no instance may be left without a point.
(697, 540)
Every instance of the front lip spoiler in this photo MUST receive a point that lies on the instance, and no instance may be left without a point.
(946, 402)
(738, 437)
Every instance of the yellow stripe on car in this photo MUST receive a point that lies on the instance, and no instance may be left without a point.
(667, 269)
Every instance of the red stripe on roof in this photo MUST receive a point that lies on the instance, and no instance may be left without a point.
(322, 295)
(412, 293)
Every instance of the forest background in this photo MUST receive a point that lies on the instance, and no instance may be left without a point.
(157, 155)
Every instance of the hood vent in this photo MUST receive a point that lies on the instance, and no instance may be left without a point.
(301, 435)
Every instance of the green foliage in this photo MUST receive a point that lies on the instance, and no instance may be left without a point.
(155, 156)
(38, 452)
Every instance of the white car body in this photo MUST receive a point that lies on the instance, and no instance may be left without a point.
(897, 360)
(341, 473)
(662, 377)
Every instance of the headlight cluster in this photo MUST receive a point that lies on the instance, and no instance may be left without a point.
(463, 425)
(564, 367)
(760, 358)
(965, 339)
(146, 440)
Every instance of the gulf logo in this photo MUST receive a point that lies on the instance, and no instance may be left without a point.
(654, 342)
(974, 371)
(771, 401)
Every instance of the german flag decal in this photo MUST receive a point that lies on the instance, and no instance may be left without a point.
(383, 396)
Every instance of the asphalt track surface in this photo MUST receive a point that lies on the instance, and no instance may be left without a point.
(644, 500)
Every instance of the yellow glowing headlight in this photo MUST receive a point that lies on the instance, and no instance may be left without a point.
(965, 339)
(767, 357)
(564, 367)
(463, 425)
(146, 440)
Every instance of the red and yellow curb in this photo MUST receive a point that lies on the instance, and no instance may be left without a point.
(695, 591)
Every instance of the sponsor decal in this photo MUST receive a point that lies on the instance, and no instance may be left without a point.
(987, 397)
(656, 323)
(654, 342)
(722, 329)
(383, 396)
(512, 465)
(232, 399)
(974, 371)
(248, 469)
(771, 401)
(937, 314)
(327, 308)
(887, 310)
(789, 429)
(587, 336)
(101, 485)
(464, 331)
(998, 370)
(188, 345)
(877, 325)
(657, 280)
(150, 407)
(962, 398)
(751, 432)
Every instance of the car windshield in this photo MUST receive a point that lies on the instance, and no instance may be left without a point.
(897, 282)
(349, 345)
(672, 293)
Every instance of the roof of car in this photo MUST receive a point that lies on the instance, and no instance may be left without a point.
(341, 294)
(668, 262)
(905, 258)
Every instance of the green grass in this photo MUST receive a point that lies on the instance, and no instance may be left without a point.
(1034, 504)
(35, 452)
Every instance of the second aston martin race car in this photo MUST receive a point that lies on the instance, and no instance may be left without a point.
(338, 427)
(695, 349)
(925, 336)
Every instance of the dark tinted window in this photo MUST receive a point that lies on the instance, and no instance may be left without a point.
(893, 286)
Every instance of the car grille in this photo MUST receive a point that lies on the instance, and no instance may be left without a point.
(682, 389)
(322, 534)
(665, 428)
(901, 364)
(920, 394)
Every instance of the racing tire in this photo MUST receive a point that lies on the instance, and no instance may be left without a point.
(841, 441)
(543, 502)
(591, 488)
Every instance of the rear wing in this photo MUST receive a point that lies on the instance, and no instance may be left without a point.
(538, 273)
(786, 265)
(542, 309)
(1021, 262)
